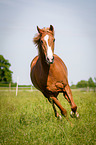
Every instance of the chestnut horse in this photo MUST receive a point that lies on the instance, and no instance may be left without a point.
(49, 73)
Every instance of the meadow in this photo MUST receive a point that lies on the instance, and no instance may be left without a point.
(28, 119)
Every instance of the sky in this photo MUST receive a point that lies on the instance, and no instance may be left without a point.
(74, 24)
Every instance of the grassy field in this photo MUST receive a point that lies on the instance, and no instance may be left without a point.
(28, 119)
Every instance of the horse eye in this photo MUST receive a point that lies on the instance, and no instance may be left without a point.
(54, 40)
(41, 41)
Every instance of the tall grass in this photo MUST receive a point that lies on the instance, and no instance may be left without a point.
(28, 119)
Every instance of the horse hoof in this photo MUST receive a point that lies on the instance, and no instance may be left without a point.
(77, 115)
(73, 115)
(59, 117)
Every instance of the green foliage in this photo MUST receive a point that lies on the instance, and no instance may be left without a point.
(29, 119)
(7, 84)
(5, 72)
(73, 86)
(91, 83)
(82, 84)
(85, 84)
(95, 81)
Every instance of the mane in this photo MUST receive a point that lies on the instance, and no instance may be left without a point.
(36, 39)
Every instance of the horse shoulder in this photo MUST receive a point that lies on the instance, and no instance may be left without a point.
(33, 62)
(61, 64)
(57, 77)
(32, 71)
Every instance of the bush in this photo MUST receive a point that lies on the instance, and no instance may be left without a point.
(82, 84)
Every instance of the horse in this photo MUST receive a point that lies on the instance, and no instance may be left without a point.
(49, 73)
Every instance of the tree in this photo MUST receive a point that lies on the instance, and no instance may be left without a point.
(95, 81)
(91, 82)
(5, 72)
(82, 84)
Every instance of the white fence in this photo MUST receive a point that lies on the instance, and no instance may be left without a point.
(34, 89)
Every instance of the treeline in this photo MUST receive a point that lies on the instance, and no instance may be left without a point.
(13, 85)
(84, 84)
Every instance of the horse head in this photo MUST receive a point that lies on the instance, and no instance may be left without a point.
(46, 43)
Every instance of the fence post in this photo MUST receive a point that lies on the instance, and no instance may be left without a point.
(87, 89)
(17, 87)
(95, 89)
(9, 86)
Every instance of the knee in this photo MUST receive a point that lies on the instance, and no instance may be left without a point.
(50, 100)
(64, 112)
(74, 108)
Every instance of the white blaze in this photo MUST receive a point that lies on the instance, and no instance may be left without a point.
(49, 50)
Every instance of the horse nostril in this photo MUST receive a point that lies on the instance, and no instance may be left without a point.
(53, 58)
(47, 59)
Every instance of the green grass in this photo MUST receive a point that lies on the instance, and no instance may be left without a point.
(28, 119)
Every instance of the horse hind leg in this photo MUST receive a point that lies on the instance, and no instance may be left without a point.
(68, 95)
(54, 102)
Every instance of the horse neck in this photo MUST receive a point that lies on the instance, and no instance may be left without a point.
(44, 64)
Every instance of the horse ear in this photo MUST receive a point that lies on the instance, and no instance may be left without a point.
(39, 30)
(51, 28)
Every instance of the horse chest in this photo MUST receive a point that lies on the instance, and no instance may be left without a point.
(50, 79)
(56, 81)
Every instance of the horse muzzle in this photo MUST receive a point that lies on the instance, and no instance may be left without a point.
(50, 60)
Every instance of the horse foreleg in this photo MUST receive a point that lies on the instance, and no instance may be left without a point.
(55, 101)
(68, 95)
(54, 108)
(55, 111)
